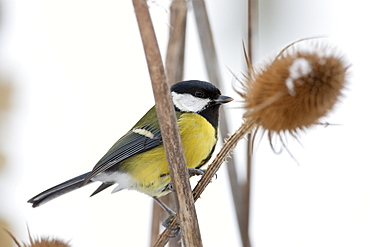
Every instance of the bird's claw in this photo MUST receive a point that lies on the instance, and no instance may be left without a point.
(196, 172)
(177, 229)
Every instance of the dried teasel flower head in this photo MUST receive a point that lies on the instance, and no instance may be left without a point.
(296, 89)
(47, 242)
(42, 242)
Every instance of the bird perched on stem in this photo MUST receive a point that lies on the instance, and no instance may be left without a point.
(137, 160)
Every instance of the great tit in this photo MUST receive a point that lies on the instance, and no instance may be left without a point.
(137, 160)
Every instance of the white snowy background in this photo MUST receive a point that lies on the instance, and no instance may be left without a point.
(80, 81)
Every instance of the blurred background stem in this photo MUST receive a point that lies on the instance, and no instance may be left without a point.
(175, 70)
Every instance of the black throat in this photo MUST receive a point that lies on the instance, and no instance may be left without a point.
(211, 113)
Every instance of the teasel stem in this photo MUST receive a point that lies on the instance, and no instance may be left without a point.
(221, 157)
(246, 188)
(211, 171)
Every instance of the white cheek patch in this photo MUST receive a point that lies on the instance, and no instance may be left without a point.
(188, 103)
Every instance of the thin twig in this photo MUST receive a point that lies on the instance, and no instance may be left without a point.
(224, 153)
(169, 129)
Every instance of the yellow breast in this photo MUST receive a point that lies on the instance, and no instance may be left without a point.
(147, 169)
(198, 138)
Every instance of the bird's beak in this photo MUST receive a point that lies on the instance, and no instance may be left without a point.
(222, 99)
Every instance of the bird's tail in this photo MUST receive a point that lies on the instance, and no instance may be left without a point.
(59, 190)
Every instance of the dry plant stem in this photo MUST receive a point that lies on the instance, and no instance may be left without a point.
(244, 213)
(207, 43)
(231, 168)
(169, 129)
(156, 219)
(212, 65)
(224, 153)
(176, 43)
(230, 144)
(252, 26)
(175, 69)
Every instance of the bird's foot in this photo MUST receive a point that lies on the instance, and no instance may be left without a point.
(196, 172)
(166, 224)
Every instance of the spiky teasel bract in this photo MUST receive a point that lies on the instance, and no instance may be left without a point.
(47, 242)
(39, 242)
(295, 90)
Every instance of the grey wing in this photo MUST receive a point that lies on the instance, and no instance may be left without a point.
(129, 145)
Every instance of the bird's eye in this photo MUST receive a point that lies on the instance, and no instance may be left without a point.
(199, 94)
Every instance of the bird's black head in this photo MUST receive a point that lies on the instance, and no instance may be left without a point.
(200, 97)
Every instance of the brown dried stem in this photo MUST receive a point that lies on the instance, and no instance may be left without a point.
(175, 69)
(224, 153)
(176, 42)
(212, 65)
(169, 129)
(244, 213)
(206, 40)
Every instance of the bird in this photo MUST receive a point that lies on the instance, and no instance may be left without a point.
(137, 161)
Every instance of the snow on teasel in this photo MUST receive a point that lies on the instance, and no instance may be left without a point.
(299, 68)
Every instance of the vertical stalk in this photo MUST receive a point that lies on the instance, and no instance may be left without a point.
(175, 69)
(212, 66)
(176, 43)
(247, 187)
(169, 129)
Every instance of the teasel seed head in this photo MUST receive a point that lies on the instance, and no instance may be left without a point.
(39, 242)
(295, 90)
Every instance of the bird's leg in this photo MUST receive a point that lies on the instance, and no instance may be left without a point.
(164, 206)
(166, 223)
